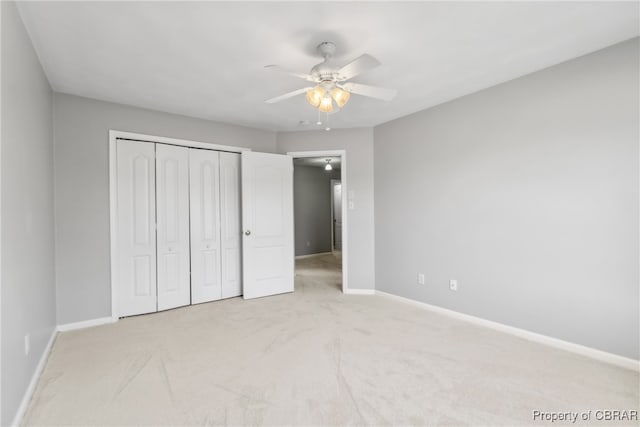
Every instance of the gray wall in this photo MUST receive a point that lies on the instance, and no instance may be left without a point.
(527, 194)
(358, 144)
(312, 208)
(82, 189)
(28, 288)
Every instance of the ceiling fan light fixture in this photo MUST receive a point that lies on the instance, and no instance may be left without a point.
(315, 95)
(326, 104)
(341, 96)
(332, 84)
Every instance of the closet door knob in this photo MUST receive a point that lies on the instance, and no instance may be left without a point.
(247, 233)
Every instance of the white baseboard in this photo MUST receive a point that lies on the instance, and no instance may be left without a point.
(359, 291)
(85, 324)
(313, 255)
(24, 404)
(603, 356)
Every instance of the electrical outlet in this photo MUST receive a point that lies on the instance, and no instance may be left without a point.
(27, 345)
(453, 285)
(420, 278)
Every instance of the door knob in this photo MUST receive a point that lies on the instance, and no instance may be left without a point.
(247, 233)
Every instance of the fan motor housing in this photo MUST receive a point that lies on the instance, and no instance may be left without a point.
(323, 72)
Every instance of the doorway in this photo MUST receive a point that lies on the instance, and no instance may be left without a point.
(320, 217)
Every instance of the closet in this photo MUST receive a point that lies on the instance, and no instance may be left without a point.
(179, 230)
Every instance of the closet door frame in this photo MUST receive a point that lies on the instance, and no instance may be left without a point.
(114, 135)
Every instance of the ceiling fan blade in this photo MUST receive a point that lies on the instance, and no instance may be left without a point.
(287, 95)
(370, 91)
(357, 66)
(302, 76)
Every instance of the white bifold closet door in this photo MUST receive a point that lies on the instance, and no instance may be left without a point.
(172, 210)
(136, 182)
(205, 226)
(215, 225)
(179, 221)
(231, 214)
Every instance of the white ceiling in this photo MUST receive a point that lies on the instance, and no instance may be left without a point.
(206, 59)
(318, 162)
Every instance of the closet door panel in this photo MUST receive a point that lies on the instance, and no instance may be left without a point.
(205, 225)
(172, 188)
(231, 224)
(136, 227)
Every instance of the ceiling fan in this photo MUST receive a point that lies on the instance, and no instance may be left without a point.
(330, 83)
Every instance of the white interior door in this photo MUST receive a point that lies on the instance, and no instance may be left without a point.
(205, 225)
(337, 215)
(136, 227)
(172, 211)
(267, 220)
(230, 219)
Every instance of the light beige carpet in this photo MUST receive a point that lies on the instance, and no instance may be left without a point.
(314, 357)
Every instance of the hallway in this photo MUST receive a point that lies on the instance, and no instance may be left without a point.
(324, 271)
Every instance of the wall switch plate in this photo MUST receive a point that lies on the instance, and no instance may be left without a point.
(352, 205)
(453, 285)
(27, 344)
(308, 243)
(420, 278)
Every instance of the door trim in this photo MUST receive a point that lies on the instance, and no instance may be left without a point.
(113, 192)
(345, 220)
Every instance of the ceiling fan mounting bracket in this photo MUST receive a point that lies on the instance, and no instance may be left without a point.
(327, 49)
